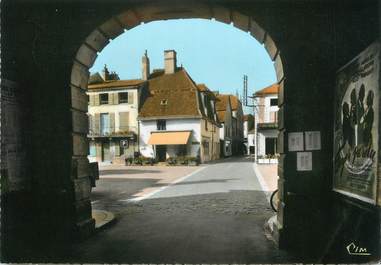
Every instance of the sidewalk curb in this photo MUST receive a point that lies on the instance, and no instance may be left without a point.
(102, 218)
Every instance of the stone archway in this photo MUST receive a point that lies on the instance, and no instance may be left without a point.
(115, 26)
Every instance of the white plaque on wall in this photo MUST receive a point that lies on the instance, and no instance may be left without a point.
(304, 161)
(313, 141)
(295, 141)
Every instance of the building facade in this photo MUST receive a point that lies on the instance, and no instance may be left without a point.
(113, 110)
(266, 122)
(238, 147)
(248, 133)
(178, 118)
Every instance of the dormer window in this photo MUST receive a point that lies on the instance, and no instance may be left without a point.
(164, 102)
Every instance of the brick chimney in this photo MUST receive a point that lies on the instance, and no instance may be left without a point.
(105, 73)
(170, 61)
(145, 66)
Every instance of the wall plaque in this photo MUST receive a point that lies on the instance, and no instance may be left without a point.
(295, 141)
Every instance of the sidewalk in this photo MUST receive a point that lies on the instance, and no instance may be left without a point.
(269, 176)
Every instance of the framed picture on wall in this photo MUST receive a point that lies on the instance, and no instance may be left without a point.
(356, 126)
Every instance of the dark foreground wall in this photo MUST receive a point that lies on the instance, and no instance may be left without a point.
(47, 205)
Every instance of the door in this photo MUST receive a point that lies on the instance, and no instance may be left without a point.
(106, 156)
(161, 153)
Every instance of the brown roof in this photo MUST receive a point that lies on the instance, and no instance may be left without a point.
(116, 84)
(204, 88)
(221, 115)
(222, 102)
(273, 89)
(178, 90)
(234, 101)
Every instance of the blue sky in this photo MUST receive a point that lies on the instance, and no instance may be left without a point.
(212, 52)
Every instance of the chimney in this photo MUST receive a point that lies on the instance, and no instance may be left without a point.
(145, 66)
(170, 61)
(105, 73)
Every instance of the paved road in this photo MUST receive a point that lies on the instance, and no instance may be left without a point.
(215, 215)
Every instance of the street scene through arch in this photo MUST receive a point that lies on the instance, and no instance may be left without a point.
(166, 140)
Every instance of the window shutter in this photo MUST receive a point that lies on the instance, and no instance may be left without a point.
(112, 122)
(123, 121)
(90, 117)
(110, 98)
(130, 98)
(117, 148)
(116, 98)
(96, 100)
(97, 123)
(92, 100)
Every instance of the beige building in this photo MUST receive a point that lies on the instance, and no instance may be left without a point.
(113, 110)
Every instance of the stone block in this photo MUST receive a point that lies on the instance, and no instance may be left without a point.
(280, 142)
(80, 122)
(257, 32)
(278, 65)
(112, 28)
(97, 40)
(82, 189)
(80, 145)
(79, 75)
(222, 14)
(241, 21)
(79, 99)
(270, 47)
(86, 55)
(281, 118)
(281, 93)
(128, 19)
(176, 10)
(281, 189)
(80, 167)
(280, 215)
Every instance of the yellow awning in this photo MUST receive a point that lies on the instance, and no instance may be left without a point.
(169, 138)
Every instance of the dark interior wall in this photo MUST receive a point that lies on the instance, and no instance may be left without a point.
(39, 43)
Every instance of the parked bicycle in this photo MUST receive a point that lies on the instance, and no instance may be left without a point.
(274, 200)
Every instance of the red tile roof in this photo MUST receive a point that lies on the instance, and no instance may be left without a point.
(273, 89)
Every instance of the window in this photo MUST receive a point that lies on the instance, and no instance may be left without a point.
(105, 124)
(206, 125)
(161, 125)
(273, 102)
(103, 98)
(123, 97)
(164, 102)
(270, 146)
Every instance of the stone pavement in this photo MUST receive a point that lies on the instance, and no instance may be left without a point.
(215, 215)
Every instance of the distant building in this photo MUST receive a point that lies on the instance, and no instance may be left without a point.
(238, 147)
(248, 133)
(225, 117)
(113, 109)
(178, 118)
(266, 119)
